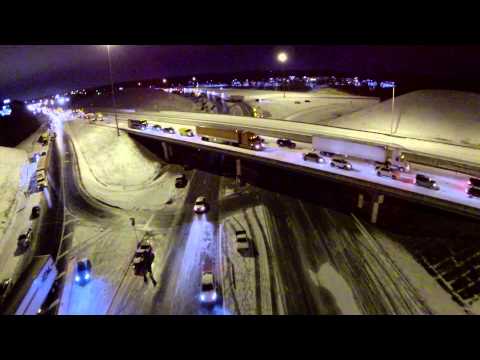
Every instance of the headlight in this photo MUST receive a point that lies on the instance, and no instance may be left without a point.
(87, 276)
(214, 296)
(77, 278)
(202, 297)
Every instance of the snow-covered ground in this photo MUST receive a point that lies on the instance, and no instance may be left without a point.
(435, 115)
(115, 169)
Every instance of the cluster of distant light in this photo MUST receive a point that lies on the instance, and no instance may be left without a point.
(78, 92)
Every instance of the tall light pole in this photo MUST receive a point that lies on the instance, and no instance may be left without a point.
(393, 107)
(282, 58)
(113, 88)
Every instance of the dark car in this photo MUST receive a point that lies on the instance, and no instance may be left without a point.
(473, 192)
(5, 286)
(84, 272)
(474, 182)
(156, 127)
(314, 157)
(169, 130)
(425, 181)
(35, 212)
(286, 143)
(25, 239)
(181, 181)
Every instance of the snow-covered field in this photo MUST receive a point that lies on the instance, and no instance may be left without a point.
(436, 115)
(11, 164)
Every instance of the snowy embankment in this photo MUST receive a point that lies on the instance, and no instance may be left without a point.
(141, 100)
(116, 170)
(435, 115)
(11, 162)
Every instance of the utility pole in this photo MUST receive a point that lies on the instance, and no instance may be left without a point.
(113, 89)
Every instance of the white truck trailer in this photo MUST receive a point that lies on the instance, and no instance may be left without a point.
(376, 153)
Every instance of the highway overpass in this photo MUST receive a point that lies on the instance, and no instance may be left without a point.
(451, 196)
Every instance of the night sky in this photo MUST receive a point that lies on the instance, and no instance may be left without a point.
(29, 71)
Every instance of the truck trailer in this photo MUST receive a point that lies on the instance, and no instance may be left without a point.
(235, 137)
(377, 153)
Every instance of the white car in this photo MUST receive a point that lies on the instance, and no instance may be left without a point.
(340, 163)
(201, 205)
(208, 292)
(243, 244)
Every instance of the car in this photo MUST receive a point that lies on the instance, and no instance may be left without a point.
(387, 171)
(327, 153)
(243, 245)
(425, 181)
(185, 132)
(286, 143)
(201, 205)
(181, 181)
(156, 127)
(41, 185)
(5, 287)
(307, 101)
(84, 272)
(473, 192)
(208, 291)
(313, 157)
(35, 212)
(169, 130)
(297, 102)
(341, 163)
(25, 239)
(474, 182)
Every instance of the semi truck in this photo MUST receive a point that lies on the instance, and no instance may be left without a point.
(137, 124)
(376, 153)
(30, 291)
(235, 137)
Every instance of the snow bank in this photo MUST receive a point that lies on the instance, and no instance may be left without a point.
(115, 161)
(140, 99)
(11, 162)
(436, 115)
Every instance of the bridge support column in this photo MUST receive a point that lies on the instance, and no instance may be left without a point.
(376, 208)
(238, 171)
(166, 151)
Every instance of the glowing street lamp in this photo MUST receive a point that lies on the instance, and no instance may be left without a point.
(113, 89)
(282, 58)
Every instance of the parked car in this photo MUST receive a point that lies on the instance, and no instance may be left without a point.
(387, 171)
(208, 292)
(84, 272)
(474, 182)
(286, 143)
(156, 127)
(425, 181)
(341, 163)
(313, 157)
(169, 130)
(243, 245)
(25, 239)
(201, 205)
(181, 181)
(35, 212)
(473, 192)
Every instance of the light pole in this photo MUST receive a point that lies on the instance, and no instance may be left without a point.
(113, 89)
(393, 107)
(282, 58)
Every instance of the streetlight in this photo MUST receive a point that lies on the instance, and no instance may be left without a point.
(393, 107)
(282, 58)
(113, 89)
